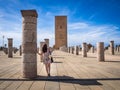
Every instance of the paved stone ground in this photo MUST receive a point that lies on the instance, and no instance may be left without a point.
(68, 72)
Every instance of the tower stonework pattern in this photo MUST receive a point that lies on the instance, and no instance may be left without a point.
(29, 43)
(60, 31)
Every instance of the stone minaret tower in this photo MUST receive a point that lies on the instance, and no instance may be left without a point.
(60, 31)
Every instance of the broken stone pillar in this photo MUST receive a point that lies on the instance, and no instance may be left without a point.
(118, 48)
(15, 50)
(68, 49)
(87, 49)
(100, 51)
(77, 50)
(20, 50)
(79, 47)
(72, 50)
(10, 47)
(47, 42)
(29, 43)
(41, 45)
(112, 47)
(92, 49)
(84, 50)
(63, 48)
(5, 50)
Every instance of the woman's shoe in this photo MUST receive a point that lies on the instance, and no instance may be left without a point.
(49, 75)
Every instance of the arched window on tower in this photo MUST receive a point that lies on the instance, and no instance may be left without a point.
(60, 26)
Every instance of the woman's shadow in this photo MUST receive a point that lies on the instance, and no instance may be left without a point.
(68, 79)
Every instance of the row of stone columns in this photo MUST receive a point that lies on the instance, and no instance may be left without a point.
(77, 49)
(85, 49)
(100, 50)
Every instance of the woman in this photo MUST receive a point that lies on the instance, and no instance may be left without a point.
(46, 59)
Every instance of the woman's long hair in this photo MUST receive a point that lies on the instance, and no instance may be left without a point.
(44, 48)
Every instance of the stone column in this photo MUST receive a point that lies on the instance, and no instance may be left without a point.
(20, 50)
(112, 47)
(10, 47)
(77, 50)
(84, 50)
(72, 50)
(68, 49)
(92, 49)
(5, 50)
(87, 49)
(47, 42)
(29, 43)
(41, 45)
(118, 48)
(100, 51)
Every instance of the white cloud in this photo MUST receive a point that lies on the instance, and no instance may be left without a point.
(83, 32)
(78, 32)
(77, 26)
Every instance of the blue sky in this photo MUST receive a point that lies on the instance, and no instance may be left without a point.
(89, 21)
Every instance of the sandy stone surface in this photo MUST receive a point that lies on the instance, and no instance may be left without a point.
(68, 72)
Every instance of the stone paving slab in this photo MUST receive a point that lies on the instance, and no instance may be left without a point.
(68, 72)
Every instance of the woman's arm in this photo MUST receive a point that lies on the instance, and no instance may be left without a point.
(39, 53)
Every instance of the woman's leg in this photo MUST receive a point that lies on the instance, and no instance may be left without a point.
(46, 66)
